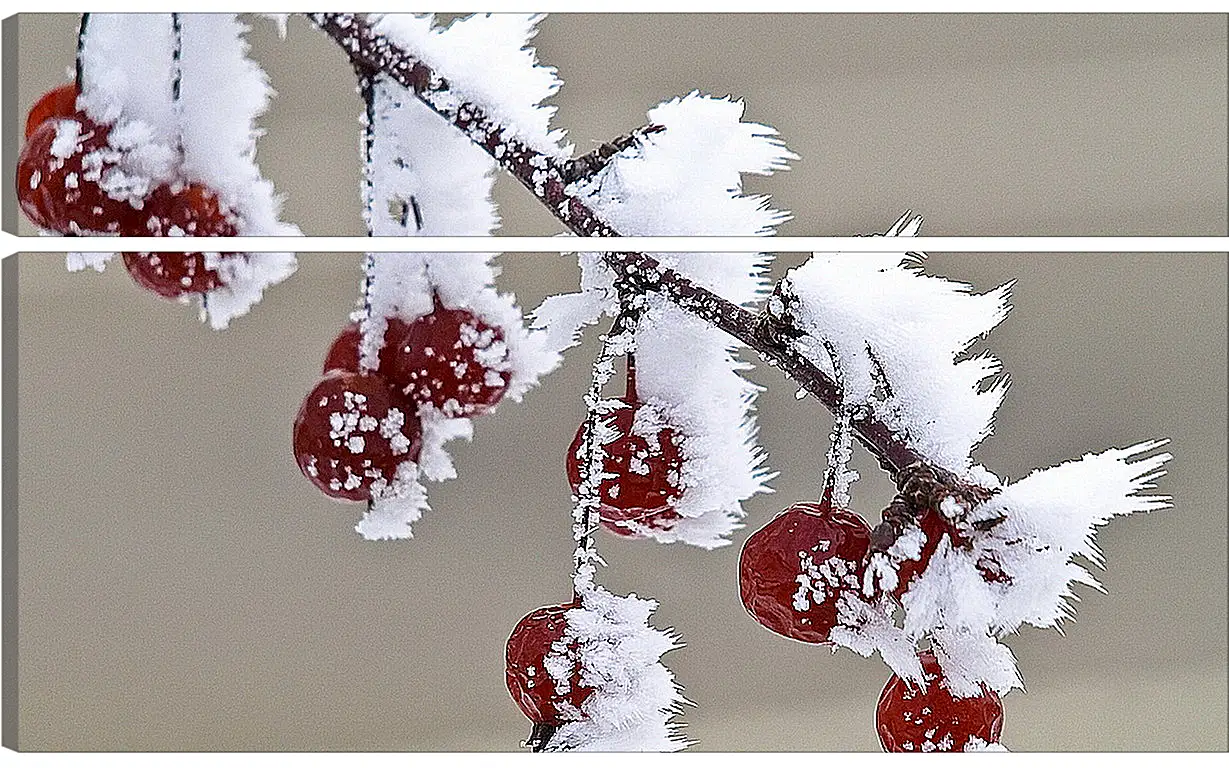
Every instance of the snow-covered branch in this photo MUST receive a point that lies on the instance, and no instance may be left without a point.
(548, 174)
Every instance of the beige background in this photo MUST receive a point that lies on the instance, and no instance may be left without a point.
(986, 124)
(181, 586)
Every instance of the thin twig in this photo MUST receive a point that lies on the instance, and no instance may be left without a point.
(587, 165)
(79, 69)
(586, 514)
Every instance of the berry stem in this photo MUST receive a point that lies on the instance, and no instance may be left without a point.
(366, 87)
(176, 56)
(619, 340)
(80, 64)
(835, 484)
(540, 736)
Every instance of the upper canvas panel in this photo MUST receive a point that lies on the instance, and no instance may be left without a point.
(983, 124)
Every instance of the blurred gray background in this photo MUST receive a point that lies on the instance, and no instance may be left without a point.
(985, 124)
(181, 586)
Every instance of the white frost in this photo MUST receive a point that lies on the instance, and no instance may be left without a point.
(1051, 517)
(902, 338)
(619, 655)
(395, 506)
(222, 93)
(975, 744)
(487, 62)
(1019, 571)
(438, 429)
(244, 278)
(77, 262)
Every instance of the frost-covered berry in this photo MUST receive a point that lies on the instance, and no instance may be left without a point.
(793, 571)
(453, 360)
(934, 527)
(187, 210)
(343, 355)
(643, 464)
(172, 274)
(351, 434)
(59, 102)
(911, 720)
(61, 175)
(543, 669)
(180, 210)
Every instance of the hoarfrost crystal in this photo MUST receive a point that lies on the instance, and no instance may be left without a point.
(635, 696)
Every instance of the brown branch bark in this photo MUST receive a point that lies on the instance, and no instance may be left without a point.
(587, 165)
(547, 178)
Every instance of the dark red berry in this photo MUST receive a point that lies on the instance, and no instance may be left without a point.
(453, 360)
(910, 720)
(34, 175)
(793, 571)
(60, 177)
(645, 483)
(351, 434)
(172, 274)
(344, 355)
(180, 210)
(186, 210)
(544, 699)
(59, 102)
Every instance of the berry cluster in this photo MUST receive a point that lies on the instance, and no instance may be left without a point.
(71, 180)
(356, 427)
(642, 468)
(794, 573)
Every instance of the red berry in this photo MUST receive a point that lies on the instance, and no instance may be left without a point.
(179, 210)
(910, 720)
(34, 175)
(351, 434)
(172, 274)
(344, 355)
(186, 210)
(793, 571)
(645, 483)
(60, 173)
(59, 102)
(453, 360)
(542, 698)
